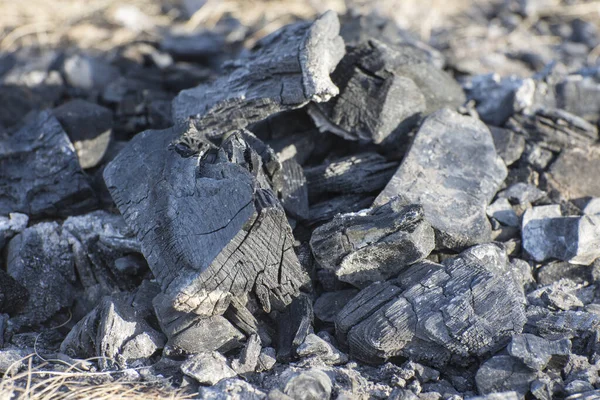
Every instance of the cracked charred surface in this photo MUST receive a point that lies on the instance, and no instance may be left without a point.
(285, 70)
(209, 225)
(437, 313)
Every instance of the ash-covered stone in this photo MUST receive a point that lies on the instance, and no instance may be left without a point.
(420, 314)
(453, 171)
(311, 384)
(40, 174)
(208, 368)
(11, 225)
(89, 127)
(318, 349)
(547, 234)
(115, 333)
(40, 259)
(373, 245)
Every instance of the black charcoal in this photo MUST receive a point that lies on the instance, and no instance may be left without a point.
(502, 373)
(575, 172)
(538, 353)
(11, 225)
(453, 171)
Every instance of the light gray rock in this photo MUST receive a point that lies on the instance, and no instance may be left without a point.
(546, 234)
(285, 70)
(509, 145)
(40, 173)
(11, 225)
(231, 389)
(248, 359)
(317, 348)
(575, 172)
(374, 244)
(502, 211)
(267, 359)
(453, 171)
(512, 395)
(522, 193)
(115, 333)
(538, 353)
(207, 368)
(311, 384)
(431, 313)
(40, 259)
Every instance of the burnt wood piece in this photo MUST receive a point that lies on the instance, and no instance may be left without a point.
(39, 171)
(13, 296)
(554, 129)
(356, 174)
(293, 189)
(327, 209)
(384, 91)
(373, 245)
(453, 171)
(285, 70)
(575, 172)
(294, 324)
(437, 313)
(210, 227)
(115, 333)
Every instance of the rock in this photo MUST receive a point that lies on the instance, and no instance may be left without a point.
(188, 333)
(502, 211)
(512, 395)
(40, 259)
(590, 205)
(235, 389)
(380, 97)
(115, 333)
(574, 172)
(208, 368)
(293, 325)
(554, 271)
(420, 313)
(537, 353)
(328, 305)
(12, 361)
(522, 193)
(502, 373)
(40, 173)
(316, 348)
(442, 173)
(560, 295)
(248, 360)
(89, 127)
(375, 244)
(547, 234)
(590, 395)
(327, 209)
(578, 95)
(356, 174)
(10, 226)
(224, 200)
(88, 73)
(509, 145)
(311, 384)
(297, 60)
(497, 99)
(266, 359)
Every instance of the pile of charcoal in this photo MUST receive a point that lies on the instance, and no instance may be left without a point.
(329, 214)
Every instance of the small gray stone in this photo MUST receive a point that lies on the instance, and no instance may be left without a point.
(231, 389)
(374, 244)
(248, 359)
(208, 368)
(578, 386)
(266, 359)
(10, 226)
(502, 211)
(509, 145)
(547, 234)
(12, 360)
(575, 172)
(317, 348)
(453, 171)
(311, 384)
(497, 396)
(503, 373)
(537, 352)
(522, 193)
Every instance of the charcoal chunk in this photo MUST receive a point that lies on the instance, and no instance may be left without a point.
(453, 171)
(327, 209)
(210, 226)
(207, 368)
(509, 145)
(502, 373)
(547, 234)
(285, 70)
(10, 226)
(311, 384)
(575, 172)
(40, 259)
(373, 245)
(328, 305)
(13, 296)
(359, 173)
(39, 172)
(435, 313)
(115, 333)
(89, 128)
(537, 352)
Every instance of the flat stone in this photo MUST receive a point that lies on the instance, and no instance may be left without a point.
(547, 234)
(453, 171)
(40, 174)
(502, 373)
(374, 244)
(208, 368)
(537, 353)
(89, 127)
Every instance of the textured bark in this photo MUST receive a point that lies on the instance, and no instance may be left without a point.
(285, 70)
(209, 225)
(434, 314)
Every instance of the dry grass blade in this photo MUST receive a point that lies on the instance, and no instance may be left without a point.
(39, 383)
